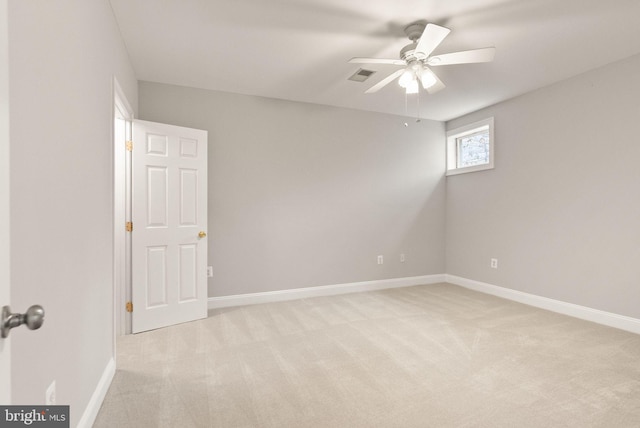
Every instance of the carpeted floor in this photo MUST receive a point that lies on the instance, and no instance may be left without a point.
(425, 356)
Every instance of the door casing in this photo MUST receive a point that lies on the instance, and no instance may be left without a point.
(122, 127)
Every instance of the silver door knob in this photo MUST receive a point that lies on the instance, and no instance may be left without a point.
(33, 319)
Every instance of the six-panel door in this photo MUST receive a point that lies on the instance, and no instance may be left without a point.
(169, 258)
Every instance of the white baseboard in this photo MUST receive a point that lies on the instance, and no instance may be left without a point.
(594, 315)
(92, 409)
(323, 290)
(582, 312)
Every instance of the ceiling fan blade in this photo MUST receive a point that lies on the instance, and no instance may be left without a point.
(377, 61)
(384, 82)
(432, 36)
(463, 57)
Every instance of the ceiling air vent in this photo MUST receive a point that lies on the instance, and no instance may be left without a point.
(361, 75)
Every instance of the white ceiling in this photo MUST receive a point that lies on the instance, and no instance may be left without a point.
(298, 49)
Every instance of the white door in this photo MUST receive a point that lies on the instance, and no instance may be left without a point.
(169, 215)
(5, 364)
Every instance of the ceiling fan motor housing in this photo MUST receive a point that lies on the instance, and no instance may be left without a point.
(414, 31)
(409, 54)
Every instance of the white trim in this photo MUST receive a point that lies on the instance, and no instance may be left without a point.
(582, 312)
(120, 240)
(120, 99)
(322, 290)
(92, 409)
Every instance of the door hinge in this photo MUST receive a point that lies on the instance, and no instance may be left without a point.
(129, 145)
(129, 226)
(129, 307)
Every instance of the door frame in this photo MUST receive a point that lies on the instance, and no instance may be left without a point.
(121, 213)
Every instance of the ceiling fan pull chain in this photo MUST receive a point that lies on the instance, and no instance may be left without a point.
(406, 108)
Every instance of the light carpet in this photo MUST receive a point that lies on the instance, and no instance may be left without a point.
(424, 356)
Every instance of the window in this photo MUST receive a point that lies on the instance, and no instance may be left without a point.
(470, 148)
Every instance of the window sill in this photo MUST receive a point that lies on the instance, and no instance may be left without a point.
(468, 169)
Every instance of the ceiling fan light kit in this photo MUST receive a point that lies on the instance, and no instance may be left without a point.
(416, 59)
(427, 78)
(407, 77)
(412, 87)
(416, 72)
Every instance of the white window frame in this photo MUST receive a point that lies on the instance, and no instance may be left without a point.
(452, 146)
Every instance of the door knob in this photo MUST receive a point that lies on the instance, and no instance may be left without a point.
(33, 319)
(202, 234)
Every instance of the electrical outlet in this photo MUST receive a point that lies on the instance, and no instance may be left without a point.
(380, 260)
(402, 258)
(209, 271)
(494, 263)
(50, 394)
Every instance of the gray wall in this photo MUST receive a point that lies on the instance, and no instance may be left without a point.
(62, 58)
(304, 195)
(560, 210)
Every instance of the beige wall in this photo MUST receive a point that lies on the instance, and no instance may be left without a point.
(560, 210)
(62, 58)
(303, 195)
(5, 373)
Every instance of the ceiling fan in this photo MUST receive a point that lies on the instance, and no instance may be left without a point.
(415, 58)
